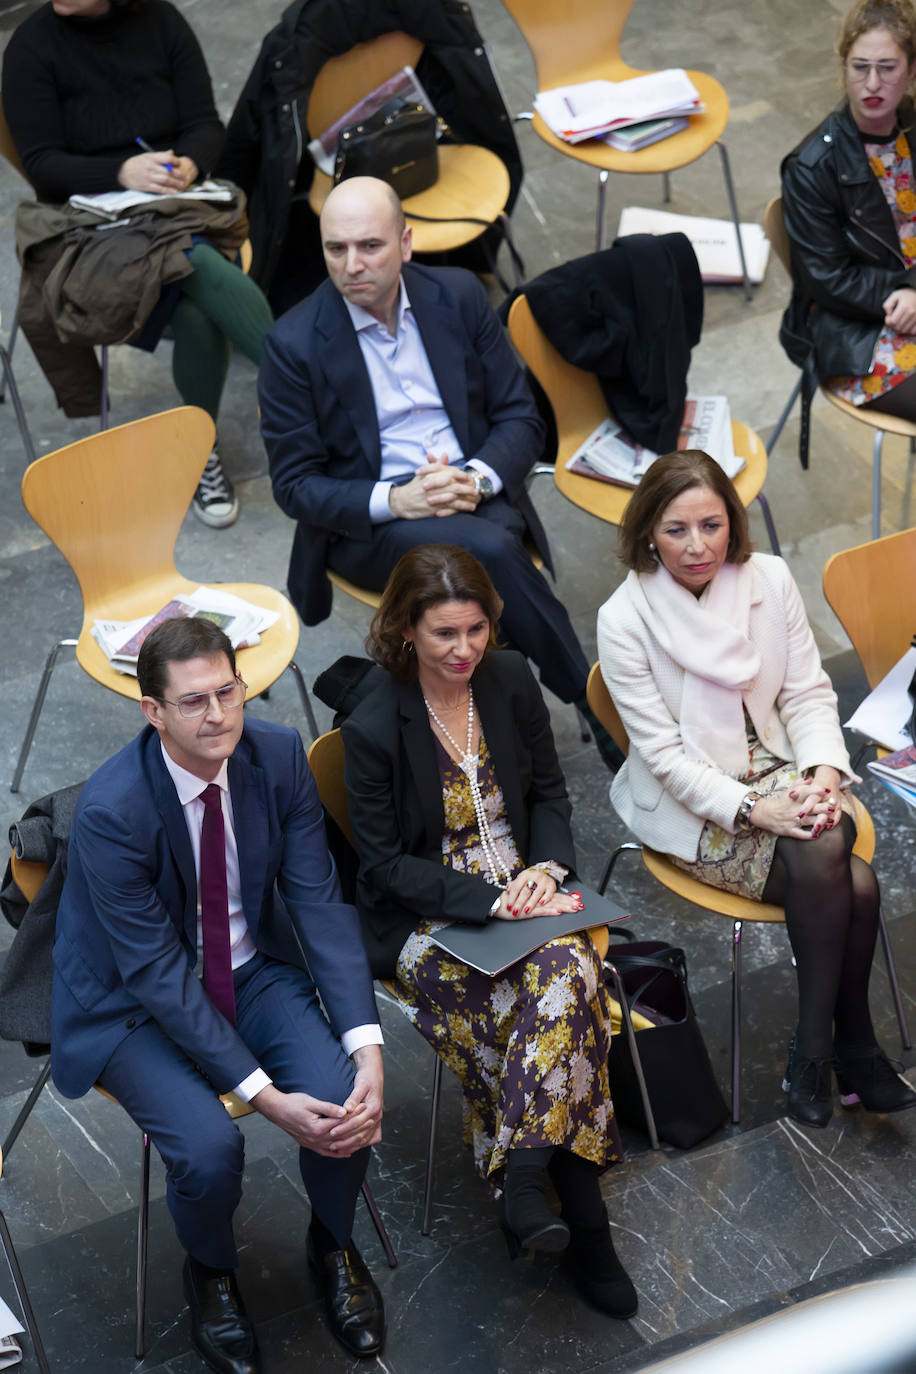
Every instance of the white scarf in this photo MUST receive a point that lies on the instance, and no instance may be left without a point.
(708, 638)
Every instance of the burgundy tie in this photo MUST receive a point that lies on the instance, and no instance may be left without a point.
(214, 905)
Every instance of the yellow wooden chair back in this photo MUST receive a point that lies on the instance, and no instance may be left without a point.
(344, 80)
(872, 589)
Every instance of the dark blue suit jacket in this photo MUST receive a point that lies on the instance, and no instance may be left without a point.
(126, 941)
(319, 423)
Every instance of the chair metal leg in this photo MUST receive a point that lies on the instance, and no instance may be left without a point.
(628, 844)
(666, 188)
(25, 1302)
(104, 407)
(786, 412)
(17, 405)
(25, 1111)
(876, 484)
(11, 344)
(142, 1250)
(36, 709)
(304, 698)
(379, 1225)
(602, 204)
(431, 1148)
(627, 1024)
(733, 204)
(892, 979)
(768, 521)
(736, 1022)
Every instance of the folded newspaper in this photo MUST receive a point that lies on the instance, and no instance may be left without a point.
(609, 454)
(120, 640)
(112, 204)
(10, 1350)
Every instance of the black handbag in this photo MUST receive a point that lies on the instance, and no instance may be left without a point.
(396, 144)
(684, 1095)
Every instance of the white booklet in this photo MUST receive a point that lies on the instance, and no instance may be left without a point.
(713, 241)
(590, 108)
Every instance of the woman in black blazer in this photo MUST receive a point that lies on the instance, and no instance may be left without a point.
(459, 812)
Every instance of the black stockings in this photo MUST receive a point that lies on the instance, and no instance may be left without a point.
(831, 901)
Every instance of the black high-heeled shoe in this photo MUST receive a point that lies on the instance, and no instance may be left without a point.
(868, 1076)
(525, 1215)
(810, 1087)
(597, 1271)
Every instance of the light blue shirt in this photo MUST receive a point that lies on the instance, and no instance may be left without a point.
(412, 420)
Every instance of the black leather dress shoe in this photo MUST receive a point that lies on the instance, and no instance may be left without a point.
(809, 1083)
(354, 1305)
(866, 1075)
(221, 1333)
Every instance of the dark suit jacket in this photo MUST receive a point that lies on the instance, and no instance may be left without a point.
(396, 811)
(126, 940)
(319, 423)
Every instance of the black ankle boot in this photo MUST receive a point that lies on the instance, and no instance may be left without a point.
(866, 1075)
(597, 1271)
(809, 1085)
(525, 1214)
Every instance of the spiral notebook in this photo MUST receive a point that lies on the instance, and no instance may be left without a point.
(493, 947)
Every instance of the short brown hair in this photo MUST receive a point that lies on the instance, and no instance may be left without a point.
(425, 577)
(897, 16)
(175, 641)
(668, 478)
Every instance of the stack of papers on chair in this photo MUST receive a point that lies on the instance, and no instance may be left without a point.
(591, 108)
(898, 773)
(609, 454)
(113, 204)
(636, 136)
(120, 640)
(713, 241)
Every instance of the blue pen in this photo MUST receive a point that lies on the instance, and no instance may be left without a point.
(147, 149)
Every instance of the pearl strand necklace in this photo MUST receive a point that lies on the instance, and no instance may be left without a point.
(499, 873)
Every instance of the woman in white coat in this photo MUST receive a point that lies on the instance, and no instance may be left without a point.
(737, 767)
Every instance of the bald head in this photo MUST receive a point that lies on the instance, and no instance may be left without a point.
(365, 243)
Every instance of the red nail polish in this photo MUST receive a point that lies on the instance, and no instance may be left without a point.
(576, 894)
(527, 909)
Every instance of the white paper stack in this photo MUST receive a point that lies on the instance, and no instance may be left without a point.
(120, 640)
(591, 108)
(713, 241)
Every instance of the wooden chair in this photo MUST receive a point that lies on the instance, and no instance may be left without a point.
(473, 182)
(113, 503)
(29, 877)
(736, 909)
(580, 41)
(326, 759)
(28, 1313)
(775, 227)
(872, 591)
(579, 407)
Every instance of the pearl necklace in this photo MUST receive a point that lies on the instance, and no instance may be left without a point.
(499, 873)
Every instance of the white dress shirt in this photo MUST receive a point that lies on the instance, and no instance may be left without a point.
(412, 420)
(190, 788)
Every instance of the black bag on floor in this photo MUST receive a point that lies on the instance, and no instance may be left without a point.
(683, 1092)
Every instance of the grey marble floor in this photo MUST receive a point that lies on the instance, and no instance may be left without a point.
(756, 1219)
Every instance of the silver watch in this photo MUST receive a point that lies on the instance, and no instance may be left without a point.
(745, 807)
(482, 484)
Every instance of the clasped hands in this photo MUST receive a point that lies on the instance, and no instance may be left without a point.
(534, 893)
(900, 310)
(809, 807)
(326, 1127)
(439, 488)
(160, 174)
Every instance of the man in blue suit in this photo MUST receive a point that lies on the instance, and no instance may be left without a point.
(394, 414)
(202, 843)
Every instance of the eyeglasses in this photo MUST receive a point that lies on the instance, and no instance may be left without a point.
(886, 72)
(196, 703)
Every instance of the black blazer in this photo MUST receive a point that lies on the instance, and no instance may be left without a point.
(396, 811)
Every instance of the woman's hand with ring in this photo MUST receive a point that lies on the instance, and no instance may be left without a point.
(534, 893)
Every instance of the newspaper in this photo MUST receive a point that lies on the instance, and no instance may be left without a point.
(404, 85)
(10, 1351)
(121, 640)
(899, 767)
(612, 455)
(884, 715)
(713, 241)
(112, 204)
(591, 108)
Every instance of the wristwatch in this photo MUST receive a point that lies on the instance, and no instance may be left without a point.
(482, 484)
(745, 807)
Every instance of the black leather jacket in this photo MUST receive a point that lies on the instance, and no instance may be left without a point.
(846, 256)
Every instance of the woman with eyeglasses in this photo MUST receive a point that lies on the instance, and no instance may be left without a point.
(849, 203)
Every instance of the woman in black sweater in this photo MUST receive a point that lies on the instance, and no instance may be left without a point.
(86, 83)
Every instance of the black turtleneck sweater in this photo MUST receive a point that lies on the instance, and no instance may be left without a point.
(77, 92)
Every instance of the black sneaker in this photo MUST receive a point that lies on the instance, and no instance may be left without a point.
(215, 501)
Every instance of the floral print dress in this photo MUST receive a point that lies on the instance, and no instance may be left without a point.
(529, 1046)
(895, 354)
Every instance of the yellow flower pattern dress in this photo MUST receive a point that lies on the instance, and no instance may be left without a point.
(529, 1046)
(894, 357)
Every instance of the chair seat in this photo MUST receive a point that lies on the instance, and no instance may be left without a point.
(260, 666)
(668, 154)
(472, 181)
(890, 424)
